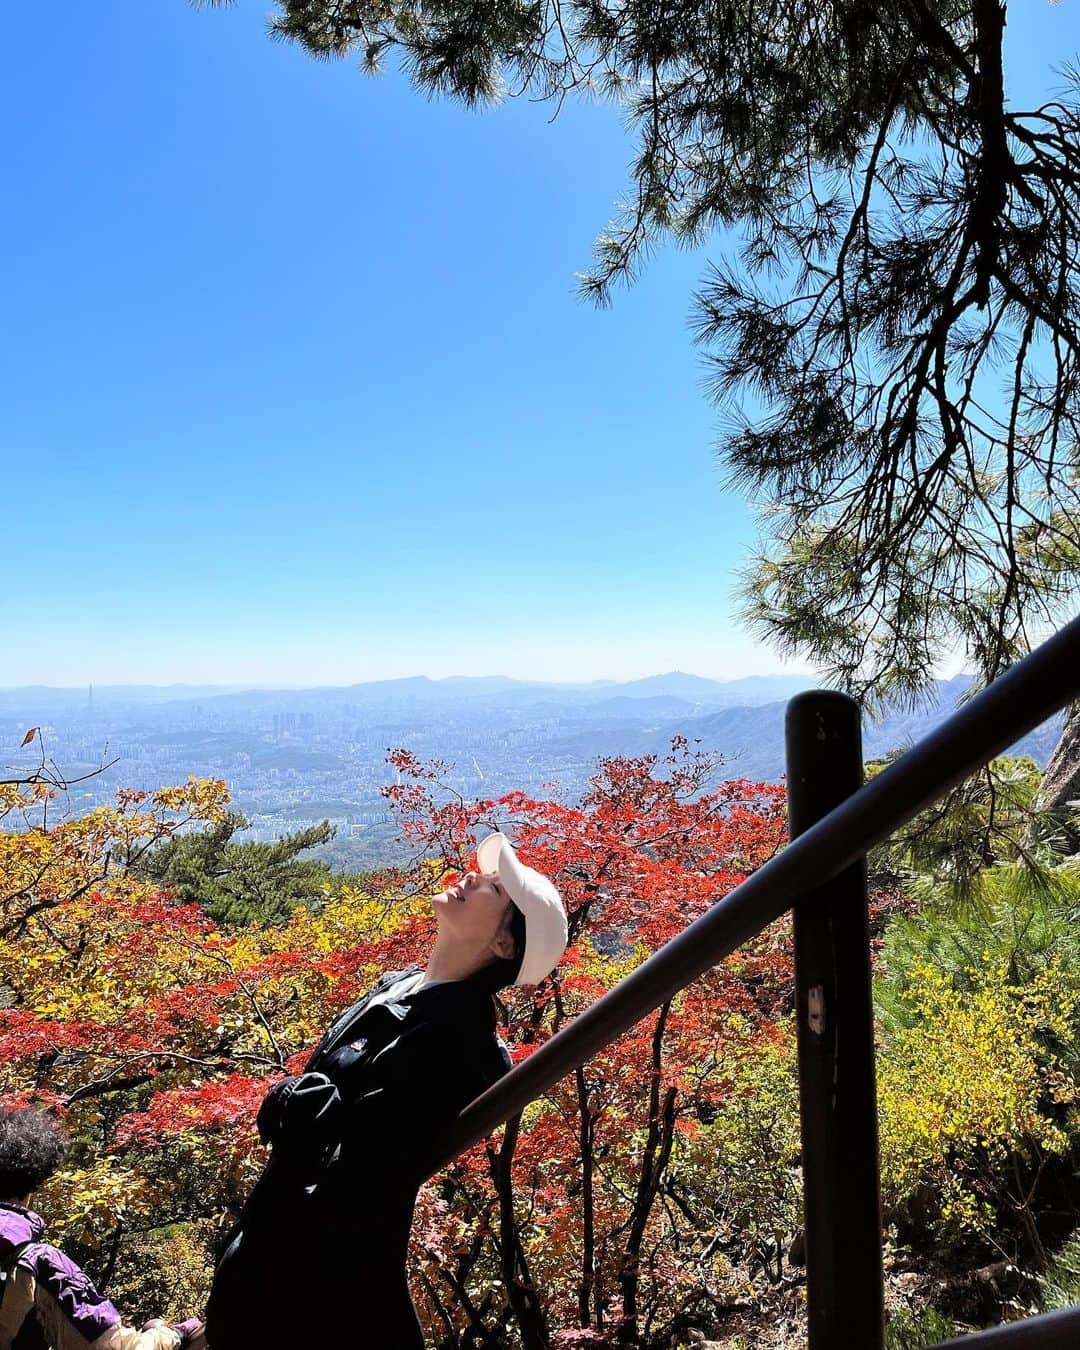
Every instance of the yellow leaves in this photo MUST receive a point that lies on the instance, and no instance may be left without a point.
(84, 1204)
(23, 797)
(962, 1089)
(49, 876)
(201, 798)
(168, 1271)
(609, 970)
(1060, 1087)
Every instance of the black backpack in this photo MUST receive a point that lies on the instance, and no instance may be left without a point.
(29, 1336)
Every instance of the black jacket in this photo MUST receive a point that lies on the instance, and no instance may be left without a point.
(318, 1255)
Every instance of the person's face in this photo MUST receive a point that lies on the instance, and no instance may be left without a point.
(475, 912)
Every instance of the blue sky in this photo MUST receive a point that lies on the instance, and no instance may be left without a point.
(296, 384)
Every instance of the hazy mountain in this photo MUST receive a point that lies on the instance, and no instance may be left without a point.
(687, 691)
(675, 684)
(751, 739)
(749, 690)
(48, 697)
(642, 707)
(291, 756)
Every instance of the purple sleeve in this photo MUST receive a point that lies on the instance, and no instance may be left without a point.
(88, 1311)
(187, 1328)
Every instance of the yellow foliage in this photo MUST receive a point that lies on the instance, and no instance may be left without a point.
(609, 970)
(64, 888)
(164, 1274)
(966, 1087)
(123, 983)
(84, 1205)
(744, 1163)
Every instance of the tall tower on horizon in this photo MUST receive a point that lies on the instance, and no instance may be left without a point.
(90, 700)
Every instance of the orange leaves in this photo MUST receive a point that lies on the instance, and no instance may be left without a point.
(43, 1100)
(582, 982)
(34, 731)
(24, 1035)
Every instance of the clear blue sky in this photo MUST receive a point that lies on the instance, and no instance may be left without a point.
(297, 389)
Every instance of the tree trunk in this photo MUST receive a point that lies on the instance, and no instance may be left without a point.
(653, 1163)
(520, 1290)
(1061, 779)
(586, 1287)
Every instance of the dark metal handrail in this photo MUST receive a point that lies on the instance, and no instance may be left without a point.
(1016, 703)
(1049, 1331)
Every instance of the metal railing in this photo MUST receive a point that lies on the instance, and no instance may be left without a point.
(843, 1281)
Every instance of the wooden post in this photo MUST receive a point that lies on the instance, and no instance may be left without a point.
(838, 1107)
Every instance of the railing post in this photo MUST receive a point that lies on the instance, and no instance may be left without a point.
(836, 1043)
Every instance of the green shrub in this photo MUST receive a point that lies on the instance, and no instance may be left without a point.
(1060, 1285)
(916, 1331)
(744, 1164)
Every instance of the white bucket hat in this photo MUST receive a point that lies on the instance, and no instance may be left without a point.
(539, 902)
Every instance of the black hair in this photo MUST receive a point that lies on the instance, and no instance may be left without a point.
(32, 1147)
(503, 970)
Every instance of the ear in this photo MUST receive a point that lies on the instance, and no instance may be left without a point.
(502, 944)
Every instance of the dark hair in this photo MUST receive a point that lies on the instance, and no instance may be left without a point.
(32, 1147)
(503, 970)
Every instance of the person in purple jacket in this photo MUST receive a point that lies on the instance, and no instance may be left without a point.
(46, 1300)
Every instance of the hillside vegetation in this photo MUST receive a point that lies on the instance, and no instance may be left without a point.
(653, 1196)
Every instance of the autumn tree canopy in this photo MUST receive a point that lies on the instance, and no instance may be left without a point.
(157, 1033)
(659, 1181)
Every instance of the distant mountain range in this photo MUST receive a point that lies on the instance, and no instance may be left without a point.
(291, 756)
(751, 737)
(566, 723)
(681, 691)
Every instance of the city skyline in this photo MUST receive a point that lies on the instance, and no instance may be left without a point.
(293, 758)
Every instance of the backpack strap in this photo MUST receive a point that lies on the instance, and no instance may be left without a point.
(30, 1335)
(9, 1262)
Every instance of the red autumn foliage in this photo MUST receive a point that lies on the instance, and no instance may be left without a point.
(558, 1210)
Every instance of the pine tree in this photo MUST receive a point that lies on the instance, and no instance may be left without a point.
(245, 882)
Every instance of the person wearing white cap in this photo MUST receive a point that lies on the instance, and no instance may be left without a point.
(477, 924)
(352, 1136)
